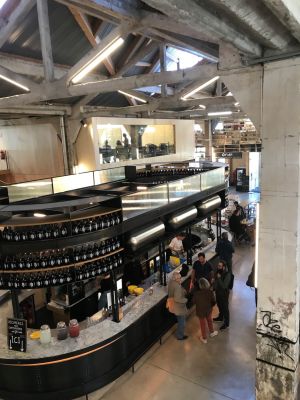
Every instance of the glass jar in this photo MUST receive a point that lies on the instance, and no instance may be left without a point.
(62, 331)
(74, 328)
(45, 334)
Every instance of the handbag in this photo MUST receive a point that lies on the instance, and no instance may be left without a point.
(170, 304)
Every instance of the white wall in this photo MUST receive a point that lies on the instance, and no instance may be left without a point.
(34, 150)
(88, 158)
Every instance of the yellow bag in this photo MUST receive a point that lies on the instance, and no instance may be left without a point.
(170, 304)
(175, 261)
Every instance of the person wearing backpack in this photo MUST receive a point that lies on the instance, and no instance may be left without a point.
(221, 285)
(225, 250)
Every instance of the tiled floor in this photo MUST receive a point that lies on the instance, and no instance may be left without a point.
(222, 369)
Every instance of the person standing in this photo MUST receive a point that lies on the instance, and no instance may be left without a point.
(176, 245)
(178, 299)
(240, 211)
(221, 285)
(225, 250)
(201, 269)
(204, 300)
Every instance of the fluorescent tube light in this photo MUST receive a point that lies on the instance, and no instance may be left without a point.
(132, 96)
(39, 215)
(202, 106)
(14, 83)
(104, 53)
(220, 113)
(256, 246)
(204, 85)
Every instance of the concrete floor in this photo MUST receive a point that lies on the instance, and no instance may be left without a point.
(224, 368)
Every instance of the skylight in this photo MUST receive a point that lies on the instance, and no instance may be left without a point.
(185, 59)
(2, 3)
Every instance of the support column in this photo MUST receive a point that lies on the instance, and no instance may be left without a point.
(270, 95)
(277, 328)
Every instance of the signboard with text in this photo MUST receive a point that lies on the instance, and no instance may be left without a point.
(17, 334)
(232, 154)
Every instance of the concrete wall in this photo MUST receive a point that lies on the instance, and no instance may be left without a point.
(34, 150)
(88, 158)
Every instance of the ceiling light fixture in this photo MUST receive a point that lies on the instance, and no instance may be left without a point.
(132, 96)
(219, 113)
(14, 83)
(202, 106)
(104, 53)
(204, 85)
(39, 215)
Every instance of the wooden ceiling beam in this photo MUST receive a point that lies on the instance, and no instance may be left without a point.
(82, 22)
(44, 31)
(16, 17)
(58, 89)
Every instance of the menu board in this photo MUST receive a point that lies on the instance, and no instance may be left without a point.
(17, 334)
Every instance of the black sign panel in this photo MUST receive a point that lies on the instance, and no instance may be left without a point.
(17, 334)
(232, 154)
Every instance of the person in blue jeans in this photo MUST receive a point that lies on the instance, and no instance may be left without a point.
(178, 300)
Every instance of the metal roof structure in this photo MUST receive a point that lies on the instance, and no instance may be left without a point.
(44, 44)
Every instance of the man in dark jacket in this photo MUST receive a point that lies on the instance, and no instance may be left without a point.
(225, 250)
(221, 285)
(201, 269)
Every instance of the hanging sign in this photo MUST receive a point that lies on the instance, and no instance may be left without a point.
(232, 154)
(17, 334)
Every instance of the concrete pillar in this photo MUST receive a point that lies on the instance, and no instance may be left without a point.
(278, 248)
(274, 109)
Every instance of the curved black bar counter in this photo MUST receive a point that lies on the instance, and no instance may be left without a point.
(78, 372)
(74, 367)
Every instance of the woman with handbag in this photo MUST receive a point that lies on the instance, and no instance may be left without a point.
(204, 299)
(176, 303)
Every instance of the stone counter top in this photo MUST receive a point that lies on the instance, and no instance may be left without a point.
(90, 336)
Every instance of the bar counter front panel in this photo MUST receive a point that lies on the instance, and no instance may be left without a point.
(74, 374)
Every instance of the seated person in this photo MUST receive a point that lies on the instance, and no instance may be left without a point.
(237, 227)
(176, 245)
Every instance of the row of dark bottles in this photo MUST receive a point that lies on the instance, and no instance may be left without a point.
(37, 233)
(38, 280)
(58, 258)
(85, 253)
(62, 276)
(96, 224)
(54, 231)
(170, 172)
(99, 267)
(47, 259)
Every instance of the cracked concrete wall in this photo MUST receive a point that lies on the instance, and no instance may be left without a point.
(278, 247)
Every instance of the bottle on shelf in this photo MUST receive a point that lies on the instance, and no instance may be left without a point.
(47, 232)
(55, 231)
(77, 255)
(24, 236)
(40, 234)
(63, 230)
